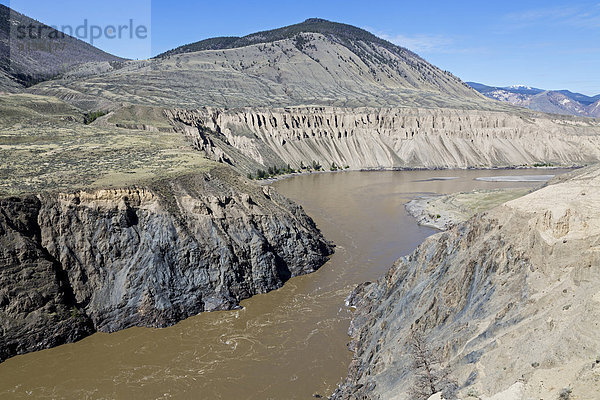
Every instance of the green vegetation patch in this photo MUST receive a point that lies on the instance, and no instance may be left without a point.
(92, 116)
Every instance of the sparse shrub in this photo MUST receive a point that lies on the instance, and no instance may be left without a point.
(565, 393)
(430, 375)
(90, 117)
(272, 171)
(299, 42)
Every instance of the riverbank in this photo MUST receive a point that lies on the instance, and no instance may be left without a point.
(292, 341)
(443, 211)
(148, 255)
(505, 305)
(271, 180)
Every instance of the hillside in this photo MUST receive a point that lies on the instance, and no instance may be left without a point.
(315, 62)
(507, 302)
(45, 145)
(105, 227)
(549, 101)
(325, 92)
(27, 60)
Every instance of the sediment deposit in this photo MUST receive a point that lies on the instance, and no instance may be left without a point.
(370, 138)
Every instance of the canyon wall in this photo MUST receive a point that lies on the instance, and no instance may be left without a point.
(508, 302)
(370, 138)
(151, 255)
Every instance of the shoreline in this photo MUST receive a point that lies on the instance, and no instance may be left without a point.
(503, 273)
(269, 181)
(446, 210)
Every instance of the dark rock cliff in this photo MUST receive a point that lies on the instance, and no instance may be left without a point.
(37, 306)
(105, 260)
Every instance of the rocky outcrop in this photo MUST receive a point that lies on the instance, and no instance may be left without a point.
(374, 138)
(37, 306)
(104, 260)
(507, 300)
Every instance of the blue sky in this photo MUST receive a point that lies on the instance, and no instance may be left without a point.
(546, 44)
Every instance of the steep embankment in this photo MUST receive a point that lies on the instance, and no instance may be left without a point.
(508, 300)
(391, 137)
(151, 255)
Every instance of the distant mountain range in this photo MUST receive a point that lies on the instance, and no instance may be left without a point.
(550, 101)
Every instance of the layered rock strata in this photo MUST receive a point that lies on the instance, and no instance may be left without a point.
(370, 138)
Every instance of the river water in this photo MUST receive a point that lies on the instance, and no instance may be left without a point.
(286, 344)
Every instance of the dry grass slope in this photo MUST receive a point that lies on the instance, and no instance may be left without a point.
(44, 145)
(308, 68)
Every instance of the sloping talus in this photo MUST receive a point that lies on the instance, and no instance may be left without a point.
(509, 300)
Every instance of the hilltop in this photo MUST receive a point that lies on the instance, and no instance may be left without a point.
(346, 34)
(316, 62)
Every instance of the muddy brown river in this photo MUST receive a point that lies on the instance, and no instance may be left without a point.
(287, 344)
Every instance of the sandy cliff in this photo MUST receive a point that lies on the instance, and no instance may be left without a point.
(391, 137)
(508, 300)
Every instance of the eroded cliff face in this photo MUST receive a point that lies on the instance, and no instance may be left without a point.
(372, 138)
(508, 300)
(150, 255)
(37, 307)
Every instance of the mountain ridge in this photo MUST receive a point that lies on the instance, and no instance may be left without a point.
(316, 62)
(549, 101)
(310, 25)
